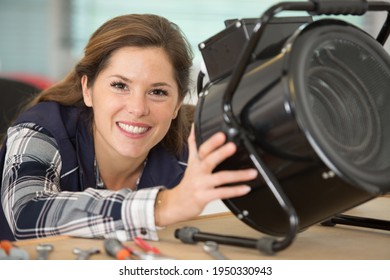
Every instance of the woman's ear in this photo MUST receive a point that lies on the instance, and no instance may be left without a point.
(175, 113)
(87, 92)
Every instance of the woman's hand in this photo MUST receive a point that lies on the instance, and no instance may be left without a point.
(199, 184)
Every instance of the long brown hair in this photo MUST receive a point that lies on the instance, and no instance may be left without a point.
(139, 30)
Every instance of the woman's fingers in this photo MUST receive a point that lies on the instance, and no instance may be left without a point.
(221, 178)
(201, 184)
(212, 152)
(229, 192)
(208, 146)
(211, 144)
(192, 143)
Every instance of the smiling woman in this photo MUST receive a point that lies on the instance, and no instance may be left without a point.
(104, 152)
(132, 110)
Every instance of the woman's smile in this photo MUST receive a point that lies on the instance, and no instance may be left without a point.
(136, 129)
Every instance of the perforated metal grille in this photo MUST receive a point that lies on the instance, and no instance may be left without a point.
(349, 98)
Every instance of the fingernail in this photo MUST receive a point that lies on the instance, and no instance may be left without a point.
(247, 189)
(253, 172)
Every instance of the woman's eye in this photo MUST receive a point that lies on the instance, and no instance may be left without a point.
(159, 92)
(119, 85)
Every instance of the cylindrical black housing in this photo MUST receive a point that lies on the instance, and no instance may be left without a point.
(318, 114)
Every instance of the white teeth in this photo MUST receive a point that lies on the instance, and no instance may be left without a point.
(133, 129)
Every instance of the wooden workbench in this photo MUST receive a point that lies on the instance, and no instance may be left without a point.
(317, 242)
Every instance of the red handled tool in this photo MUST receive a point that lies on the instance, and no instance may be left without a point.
(146, 247)
(115, 249)
(8, 251)
(118, 250)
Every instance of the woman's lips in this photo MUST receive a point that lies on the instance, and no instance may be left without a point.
(133, 128)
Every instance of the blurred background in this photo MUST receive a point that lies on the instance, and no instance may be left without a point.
(43, 39)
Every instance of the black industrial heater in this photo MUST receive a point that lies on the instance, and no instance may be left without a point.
(308, 104)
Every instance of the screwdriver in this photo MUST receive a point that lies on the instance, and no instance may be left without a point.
(119, 251)
(115, 249)
(145, 246)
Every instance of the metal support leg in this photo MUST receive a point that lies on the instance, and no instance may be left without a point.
(357, 222)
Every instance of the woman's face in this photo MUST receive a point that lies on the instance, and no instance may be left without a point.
(134, 99)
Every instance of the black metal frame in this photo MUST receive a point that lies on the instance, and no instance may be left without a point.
(235, 131)
(314, 7)
(357, 221)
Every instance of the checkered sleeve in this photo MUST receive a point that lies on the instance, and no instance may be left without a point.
(35, 206)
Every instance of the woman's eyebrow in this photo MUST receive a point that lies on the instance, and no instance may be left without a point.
(161, 84)
(121, 77)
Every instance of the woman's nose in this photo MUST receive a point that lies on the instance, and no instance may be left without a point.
(137, 104)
